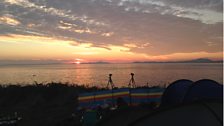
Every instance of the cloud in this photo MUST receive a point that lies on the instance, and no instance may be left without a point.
(108, 34)
(149, 27)
(215, 5)
(86, 53)
(202, 10)
(130, 45)
(9, 20)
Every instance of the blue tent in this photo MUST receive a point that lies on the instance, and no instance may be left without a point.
(204, 89)
(192, 114)
(175, 92)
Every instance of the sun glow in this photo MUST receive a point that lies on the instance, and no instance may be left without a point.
(77, 62)
(25, 47)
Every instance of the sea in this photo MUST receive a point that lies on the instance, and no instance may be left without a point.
(151, 74)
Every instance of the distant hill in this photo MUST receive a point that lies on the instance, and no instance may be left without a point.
(200, 60)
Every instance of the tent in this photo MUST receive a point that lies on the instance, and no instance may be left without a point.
(188, 104)
(203, 90)
(193, 114)
(175, 92)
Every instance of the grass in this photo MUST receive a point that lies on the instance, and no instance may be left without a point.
(42, 104)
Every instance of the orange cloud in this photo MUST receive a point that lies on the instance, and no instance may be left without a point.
(39, 47)
(22, 47)
(188, 56)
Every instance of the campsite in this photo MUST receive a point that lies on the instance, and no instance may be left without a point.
(60, 104)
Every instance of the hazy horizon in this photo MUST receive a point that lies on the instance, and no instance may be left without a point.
(39, 62)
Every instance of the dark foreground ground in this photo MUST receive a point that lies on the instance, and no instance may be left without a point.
(41, 105)
(53, 105)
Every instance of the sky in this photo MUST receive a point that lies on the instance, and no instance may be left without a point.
(110, 30)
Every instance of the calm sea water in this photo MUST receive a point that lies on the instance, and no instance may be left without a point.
(97, 74)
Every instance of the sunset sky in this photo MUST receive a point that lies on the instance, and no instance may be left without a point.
(110, 30)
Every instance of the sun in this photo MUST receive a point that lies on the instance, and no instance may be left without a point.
(77, 62)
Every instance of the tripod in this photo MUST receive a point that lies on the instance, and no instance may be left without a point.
(132, 81)
(110, 82)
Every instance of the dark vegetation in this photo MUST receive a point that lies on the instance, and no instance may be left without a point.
(50, 104)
